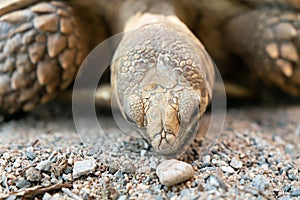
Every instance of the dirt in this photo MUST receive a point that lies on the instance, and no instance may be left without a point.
(257, 156)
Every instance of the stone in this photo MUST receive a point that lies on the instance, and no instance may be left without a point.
(33, 174)
(30, 154)
(17, 163)
(128, 167)
(235, 163)
(260, 182)
(285, 198)
(206, 161)
(172, 172)
(213, 182)
(144, 170)
(295, 193)
(153, 163)
(44, 165)
(48, 22)
(227, 169)
(84, 167)
(55, 44)
(22, 184)
(47, 196)
(289, 148)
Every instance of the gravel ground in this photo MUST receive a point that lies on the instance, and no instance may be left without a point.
(257, 157)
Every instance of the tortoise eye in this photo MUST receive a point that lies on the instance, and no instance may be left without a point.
(134, 110)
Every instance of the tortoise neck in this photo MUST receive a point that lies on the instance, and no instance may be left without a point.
(130, 13)
(142, 20)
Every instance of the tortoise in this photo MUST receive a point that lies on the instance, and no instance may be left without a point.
(163, 75)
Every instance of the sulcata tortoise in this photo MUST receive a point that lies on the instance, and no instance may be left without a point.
(162, 75)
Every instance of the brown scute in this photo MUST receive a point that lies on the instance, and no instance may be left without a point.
(39, 55)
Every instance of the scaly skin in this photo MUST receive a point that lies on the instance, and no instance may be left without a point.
(163, 78)
(41, 49)
(264, 33)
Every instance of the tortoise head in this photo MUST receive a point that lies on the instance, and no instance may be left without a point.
(163, 117)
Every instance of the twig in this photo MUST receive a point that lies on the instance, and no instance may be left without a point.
(257, 190)
(36, 190)
(6, 185)
(35, 142)
(71, 194)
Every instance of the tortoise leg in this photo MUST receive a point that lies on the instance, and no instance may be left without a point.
(269, 41)
(41, 48)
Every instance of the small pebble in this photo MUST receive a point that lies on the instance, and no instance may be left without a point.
(44, 166)
(118, 174)
(128, 167)
(227, 169)
(33, 174)
(113, 168)
(143, 152)
(45, 183)
(84, 167)
(144, 170)
(23, 183)
(47, 196)
(289, 149)
(30, 155)
(17, 163)
(158, 197)
(12, 197)
(172, 172)
(285, 198)
(206, 161)
(260, 182)
(214, 181)
(153, 163)
(235, 163)
(122, 197)
(295, 193)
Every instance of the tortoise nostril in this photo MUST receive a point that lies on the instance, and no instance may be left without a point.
(170, 138)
